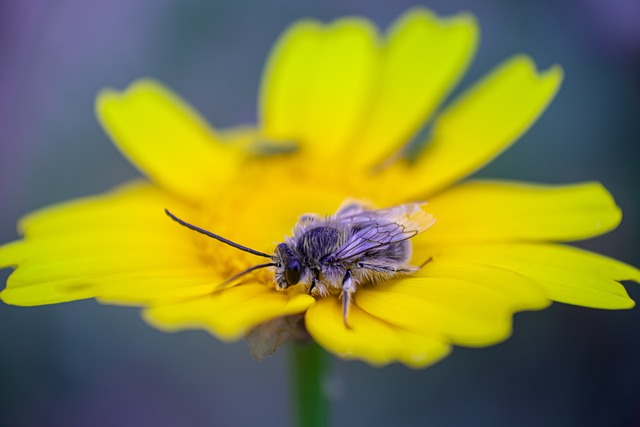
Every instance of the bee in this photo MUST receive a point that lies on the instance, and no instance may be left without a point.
(337, 254)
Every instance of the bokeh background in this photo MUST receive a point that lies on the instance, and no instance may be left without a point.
(82, 364)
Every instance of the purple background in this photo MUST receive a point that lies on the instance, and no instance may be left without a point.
(83, 364)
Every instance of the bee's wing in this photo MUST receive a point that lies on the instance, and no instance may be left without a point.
(353, 208)
(376, 228)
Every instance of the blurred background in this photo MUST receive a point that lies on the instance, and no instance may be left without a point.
(82, 364)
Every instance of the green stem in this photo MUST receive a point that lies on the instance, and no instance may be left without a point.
(310, 405)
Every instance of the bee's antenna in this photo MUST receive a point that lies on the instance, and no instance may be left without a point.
(248, 270)
(220, 238)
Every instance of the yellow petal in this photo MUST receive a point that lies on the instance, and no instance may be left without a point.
(493, 211)
(520, 292)
(460, 311)
(166, 139)
(72, 249)
(286, 76)
(155, 286)
(122, 287)
(11, 254)
(371, 339)
(317, 84)
(423, 58)
(228, 314)
(566, 274)
(479, 125)
(127, 207)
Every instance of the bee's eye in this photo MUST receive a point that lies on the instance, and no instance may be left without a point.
(292, 272)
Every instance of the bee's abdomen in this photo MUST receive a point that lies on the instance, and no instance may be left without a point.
(399, 252)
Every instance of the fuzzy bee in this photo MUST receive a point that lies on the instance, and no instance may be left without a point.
(337, 254)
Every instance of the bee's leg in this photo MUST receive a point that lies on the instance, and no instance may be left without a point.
(391, 270)
(379, 268)
(348, 289)
(426, 262)
(314, 281)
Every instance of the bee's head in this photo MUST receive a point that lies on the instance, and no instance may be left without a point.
(289, 269)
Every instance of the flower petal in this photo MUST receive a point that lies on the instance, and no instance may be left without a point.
(462, 311)
(371, 339)
(422, 59)
(96, 246)
(520, 292)
(228, 314)
(317, 84)
(566, 274)
(493, 211)
(481, 124)
(166, 139)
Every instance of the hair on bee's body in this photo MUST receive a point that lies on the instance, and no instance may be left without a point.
(335, 255)
(315, 244)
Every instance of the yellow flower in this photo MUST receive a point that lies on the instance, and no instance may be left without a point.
(348, 100)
